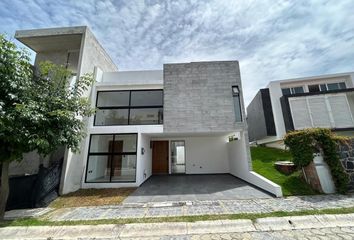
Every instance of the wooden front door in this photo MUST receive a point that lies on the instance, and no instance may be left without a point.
(160, 157)
(115, 162)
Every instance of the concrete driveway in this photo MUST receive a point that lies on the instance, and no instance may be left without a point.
(166, 188)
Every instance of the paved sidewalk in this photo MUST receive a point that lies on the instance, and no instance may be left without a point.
(26, 213)
(340, 226)
(170, 209)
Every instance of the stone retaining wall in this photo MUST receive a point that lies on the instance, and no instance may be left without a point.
(346, 156)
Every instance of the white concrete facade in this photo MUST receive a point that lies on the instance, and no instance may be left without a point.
(205, 153)
(204, 127)
(129, 80)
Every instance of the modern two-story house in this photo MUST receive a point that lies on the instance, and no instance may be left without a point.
(187, 118)
(293, 104)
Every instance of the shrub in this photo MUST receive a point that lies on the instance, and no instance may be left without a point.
(304, 143)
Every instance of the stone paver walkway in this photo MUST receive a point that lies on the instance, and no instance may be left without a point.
(26, 213)
(339, 226)
(169, 209)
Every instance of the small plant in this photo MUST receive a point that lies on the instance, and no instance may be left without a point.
(304, 143)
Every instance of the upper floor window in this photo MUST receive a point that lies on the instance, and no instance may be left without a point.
(314, 88)
(237, 103)
(336, 86)
(293, 90)
(135, 107)
(326, 87)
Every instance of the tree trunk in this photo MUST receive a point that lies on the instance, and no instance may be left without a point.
(4, 188)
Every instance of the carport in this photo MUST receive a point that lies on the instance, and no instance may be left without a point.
(213, 187)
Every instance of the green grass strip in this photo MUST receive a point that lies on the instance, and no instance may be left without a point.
(251, 216)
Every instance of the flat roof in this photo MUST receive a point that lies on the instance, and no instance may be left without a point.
(314, 77)
(51, 39)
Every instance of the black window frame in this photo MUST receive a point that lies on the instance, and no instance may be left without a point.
(113, 153)
(129, 107)
(299, 87)
(317, 86)
(284, 90)
(236, 97)
(341, 84)
(323, 87)
(292, 90)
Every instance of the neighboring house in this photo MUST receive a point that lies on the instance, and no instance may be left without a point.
(177, 120)
(293, 104)
(78, 50)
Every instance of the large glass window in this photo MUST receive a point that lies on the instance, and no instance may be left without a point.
(113, 99)
(145, 116)
(146, 98)
(106, 117)
(135, 107)
(112, 158)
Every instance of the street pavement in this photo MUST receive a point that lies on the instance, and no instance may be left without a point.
(339, 226)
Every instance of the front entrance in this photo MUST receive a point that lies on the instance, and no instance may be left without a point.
(178, 161)
(160, 157)
(114, 163)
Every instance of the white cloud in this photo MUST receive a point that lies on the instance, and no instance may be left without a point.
(272, 39)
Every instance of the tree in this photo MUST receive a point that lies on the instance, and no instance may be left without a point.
(15, 76)
(38, 111)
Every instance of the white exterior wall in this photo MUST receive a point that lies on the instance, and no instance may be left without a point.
(144, 161)
(203, 155)
(239, 167)
(275, 94)
(134, 77)
(206, 155)
(92, 55)
(319, 80)
(118, 81)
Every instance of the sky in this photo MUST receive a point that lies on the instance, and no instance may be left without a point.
(272, 39)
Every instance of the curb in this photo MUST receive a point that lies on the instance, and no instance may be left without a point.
(138, 230)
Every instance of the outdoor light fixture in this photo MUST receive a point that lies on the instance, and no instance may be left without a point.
(235, 90)
(142, 151)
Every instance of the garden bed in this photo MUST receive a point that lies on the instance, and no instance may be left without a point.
(92, 197)
(263, 159)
